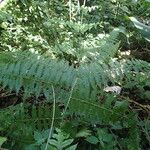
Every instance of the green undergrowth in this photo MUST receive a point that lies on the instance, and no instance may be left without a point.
(57, 58)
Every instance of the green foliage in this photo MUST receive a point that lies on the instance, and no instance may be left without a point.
(26, 120)
(144, 30)
(59, 141)
(34, 75)
(37, 74)
(2, 140)
(68, 52)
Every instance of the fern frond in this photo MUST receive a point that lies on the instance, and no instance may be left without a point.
(96, 112)
(36, 74)
(26, 119)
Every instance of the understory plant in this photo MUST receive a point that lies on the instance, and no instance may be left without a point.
(57, 58)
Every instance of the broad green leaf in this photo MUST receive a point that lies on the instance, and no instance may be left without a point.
(66, 143)
(50, 147)
(73, 147)
(39, 138)
(83, 133)
(144, 29)
(2, 140)
(92, 139)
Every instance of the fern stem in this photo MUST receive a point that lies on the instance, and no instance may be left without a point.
(53, 117)
(84, 3)
(82, 11)
(73, 86)
(116, 140)
(70, 9)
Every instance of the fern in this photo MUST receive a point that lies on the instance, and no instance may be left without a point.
(99, 113)
(37, 74)
(34, 74)
(59, 141)
(27, 119)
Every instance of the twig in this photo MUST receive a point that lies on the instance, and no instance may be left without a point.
(4, 95)
(145, 107)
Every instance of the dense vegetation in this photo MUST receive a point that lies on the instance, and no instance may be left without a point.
(75, 74)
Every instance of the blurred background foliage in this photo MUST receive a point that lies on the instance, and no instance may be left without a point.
(48, 26)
